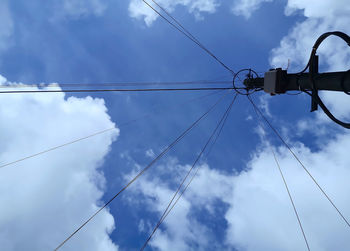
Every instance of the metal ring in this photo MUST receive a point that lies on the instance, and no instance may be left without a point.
(248, 91)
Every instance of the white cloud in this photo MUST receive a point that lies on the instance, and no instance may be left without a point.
(264, 104)
(261, 217)
(247, 7)
(139, 10)
(297, 45)
(45, 198)
(339, 104)
(259, 214)
(314, 8)
(321, 17)
(181, 230)
(260, 205)
(150, 153)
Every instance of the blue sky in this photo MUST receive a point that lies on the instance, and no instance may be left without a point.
(238, 201)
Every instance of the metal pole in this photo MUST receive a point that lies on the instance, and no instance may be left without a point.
(329, 81)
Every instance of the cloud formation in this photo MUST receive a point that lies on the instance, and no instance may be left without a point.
(254, 203)
(334, 53)
(261, 216)
(182, 230)
(139, 10)
(45, 198)
(247, 7)
(320, 17)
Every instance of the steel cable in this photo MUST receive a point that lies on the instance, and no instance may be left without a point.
(284, 181)
(171, 205)
(97, 133)
(185, 32)
(168, 148)
(115, 84)
(299, 161)
(117, 90)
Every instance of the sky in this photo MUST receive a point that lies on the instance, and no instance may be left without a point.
(237, 201)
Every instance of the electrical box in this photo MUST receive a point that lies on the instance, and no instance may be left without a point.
(275, 81)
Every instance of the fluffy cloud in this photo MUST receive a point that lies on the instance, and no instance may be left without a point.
(334, 53)
(138, 9)
(320, 17)
(45, 198)
(182, 229)
(258, 213)
(261, 217)
(296, 46)
(247, 7)
(259, 200)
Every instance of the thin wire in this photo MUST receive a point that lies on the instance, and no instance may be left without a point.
(291, 200)
(298, 160)
(218, 134)
(120, 90)
(213, 82)
(57, 147)
(98, 133)
(172, 24)
(169, 147)
(284, 181)
(177, 22)
(186, 33)
(184, 188)
(167, 210)
(194, 38)
(155, 108)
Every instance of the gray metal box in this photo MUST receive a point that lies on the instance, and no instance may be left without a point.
(275, 81)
